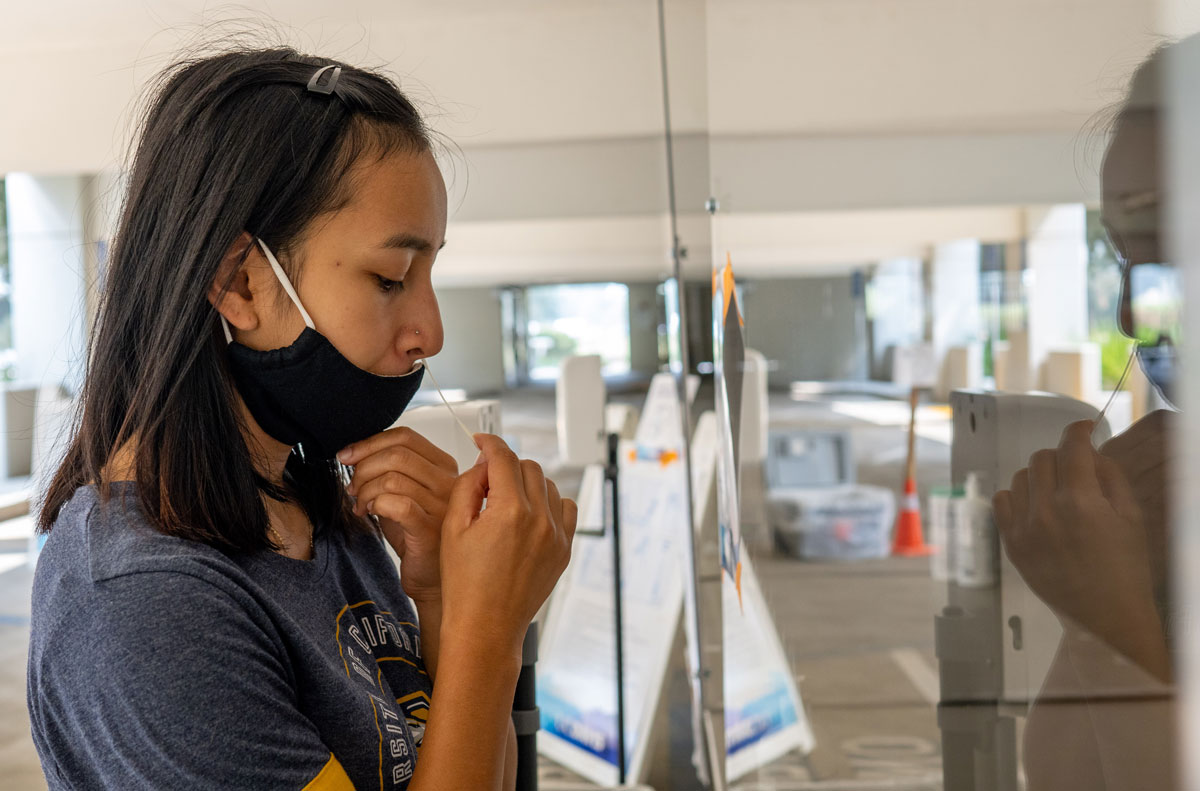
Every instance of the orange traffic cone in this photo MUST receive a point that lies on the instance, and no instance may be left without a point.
(909, 541)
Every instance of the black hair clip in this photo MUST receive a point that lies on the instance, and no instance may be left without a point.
(314, 82)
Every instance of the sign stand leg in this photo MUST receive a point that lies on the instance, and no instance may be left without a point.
(612, 507)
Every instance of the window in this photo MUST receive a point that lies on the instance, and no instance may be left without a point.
(585, 318)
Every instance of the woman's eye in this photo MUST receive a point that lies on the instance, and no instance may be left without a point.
(387, 286)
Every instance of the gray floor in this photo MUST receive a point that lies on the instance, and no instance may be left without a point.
(859, 635)
(19, 769)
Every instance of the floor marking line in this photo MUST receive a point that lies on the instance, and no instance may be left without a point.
(918, 671)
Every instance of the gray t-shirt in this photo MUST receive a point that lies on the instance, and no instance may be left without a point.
(157, 662)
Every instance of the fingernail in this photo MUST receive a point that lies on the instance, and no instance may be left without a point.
(371, 507)
(344, 455)
(479, 459)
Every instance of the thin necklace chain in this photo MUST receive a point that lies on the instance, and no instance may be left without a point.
(283, 544)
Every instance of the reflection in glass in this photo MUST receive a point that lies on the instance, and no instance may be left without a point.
(1052, 670)
(7, 353)
(1088, 529)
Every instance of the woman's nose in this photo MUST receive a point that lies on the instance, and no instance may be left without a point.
(426, 337)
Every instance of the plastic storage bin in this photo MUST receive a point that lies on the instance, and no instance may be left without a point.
(837, 523)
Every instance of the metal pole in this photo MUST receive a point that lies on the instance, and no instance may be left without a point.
(614, 515)
(526, 717)
(709, 698)
(914, 402)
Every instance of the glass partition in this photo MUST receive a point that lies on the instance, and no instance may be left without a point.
(947, 233)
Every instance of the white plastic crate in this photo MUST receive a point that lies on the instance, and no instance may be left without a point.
(838, 523)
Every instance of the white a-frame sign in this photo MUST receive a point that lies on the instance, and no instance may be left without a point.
(576, 663)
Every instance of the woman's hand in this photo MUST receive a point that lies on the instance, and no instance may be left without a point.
(1072, 527)
(499, 564)
(405, 480)
(1145, 452)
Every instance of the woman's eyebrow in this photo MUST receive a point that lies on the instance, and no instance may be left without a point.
(409, 241)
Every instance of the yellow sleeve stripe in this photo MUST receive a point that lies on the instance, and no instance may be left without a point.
(332, 777)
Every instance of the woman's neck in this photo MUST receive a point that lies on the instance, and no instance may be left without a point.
(289, 525)
(268, 455)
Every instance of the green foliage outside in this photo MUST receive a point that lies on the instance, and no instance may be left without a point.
(1114, 355)
(556, 347)
(566, 319)
(1104, 290)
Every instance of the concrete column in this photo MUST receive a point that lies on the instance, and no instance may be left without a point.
(1055, 281)
(1010, 357)
(957, 326)
(643, 329)
(955, 297)
(472, 356)
(897, 312)
(47, 244)
(102, 198)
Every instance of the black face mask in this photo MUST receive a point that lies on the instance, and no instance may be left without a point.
(307, 393)
(1158, 363)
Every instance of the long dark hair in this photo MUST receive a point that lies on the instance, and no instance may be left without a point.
(230, 143)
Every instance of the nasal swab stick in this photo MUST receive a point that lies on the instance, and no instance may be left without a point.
(442, 395)
(1117, 389)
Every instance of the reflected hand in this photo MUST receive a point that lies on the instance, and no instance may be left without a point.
(1144, 454)
(1072, 527)
(405, 480)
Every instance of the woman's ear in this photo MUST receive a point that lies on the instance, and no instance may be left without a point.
(230, 291)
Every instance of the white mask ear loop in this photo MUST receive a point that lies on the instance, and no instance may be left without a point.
(287, 287)
(287, 284)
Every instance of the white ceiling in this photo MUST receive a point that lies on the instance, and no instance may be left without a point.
(507, 71)
(516, 82)
(850, 67)
(485, 72)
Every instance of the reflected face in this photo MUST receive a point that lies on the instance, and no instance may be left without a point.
(365, 270)
(1130, 182)
(1131, 188)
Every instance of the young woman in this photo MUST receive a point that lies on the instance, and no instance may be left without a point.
(214, 607)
